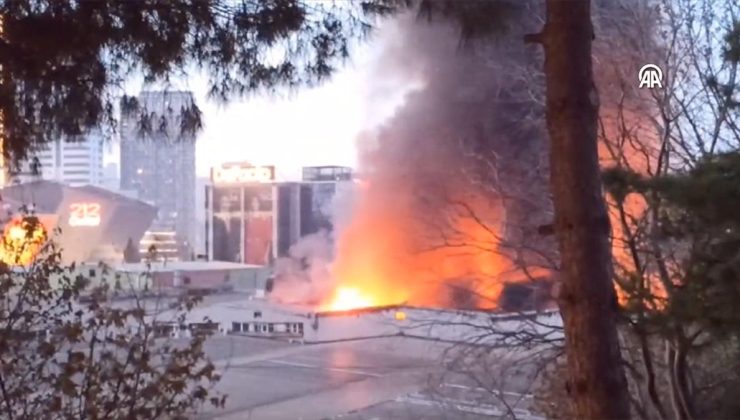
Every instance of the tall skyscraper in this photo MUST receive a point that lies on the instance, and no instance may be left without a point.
(158, 161)
(75, 162)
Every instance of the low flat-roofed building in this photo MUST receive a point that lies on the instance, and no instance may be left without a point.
(262, 318)
(205, 275)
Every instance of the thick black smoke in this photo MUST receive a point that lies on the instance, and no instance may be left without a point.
(453, 184)
(459, 168)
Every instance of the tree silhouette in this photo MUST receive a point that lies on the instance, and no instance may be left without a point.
(64, 62)
(66, 352)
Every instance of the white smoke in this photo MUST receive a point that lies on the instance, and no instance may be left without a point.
(305, 275)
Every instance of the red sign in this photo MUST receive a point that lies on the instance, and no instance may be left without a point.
(84, 214)
(257, 238)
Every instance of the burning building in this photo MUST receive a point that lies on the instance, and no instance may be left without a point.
(456, 181)
(453, 184)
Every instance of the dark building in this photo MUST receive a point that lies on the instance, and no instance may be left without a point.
(95, 224)
(320, 186)
(316, 203)
(159, 164)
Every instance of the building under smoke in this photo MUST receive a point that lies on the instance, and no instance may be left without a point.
(454, 183)
(253, 219)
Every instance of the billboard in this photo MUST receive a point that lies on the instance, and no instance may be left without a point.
(227, 199)
(242, 173)
(242, 220)
(258, 238)
(226, 238)
(258, 223)
(84, 214)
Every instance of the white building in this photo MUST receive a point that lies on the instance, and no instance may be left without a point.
(74, 163)
(263, 318)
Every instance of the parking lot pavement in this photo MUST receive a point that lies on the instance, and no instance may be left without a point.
(369, 379)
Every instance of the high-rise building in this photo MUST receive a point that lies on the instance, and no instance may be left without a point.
(73, 162)
(159, 162)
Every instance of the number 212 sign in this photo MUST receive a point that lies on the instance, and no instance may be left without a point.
(84, 214)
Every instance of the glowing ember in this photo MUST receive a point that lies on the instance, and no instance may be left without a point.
(346, 298)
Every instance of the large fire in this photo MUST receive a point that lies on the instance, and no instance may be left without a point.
(629, 140)
(346, 298)
(388, 255)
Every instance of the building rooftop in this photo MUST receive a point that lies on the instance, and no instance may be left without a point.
(183, 266)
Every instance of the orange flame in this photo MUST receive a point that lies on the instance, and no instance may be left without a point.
(346, 298)
(632, 143)
(388, 255)
(22, 240)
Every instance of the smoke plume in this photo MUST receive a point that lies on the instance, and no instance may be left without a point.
(451, 180)
(305, 276)
(452, 186)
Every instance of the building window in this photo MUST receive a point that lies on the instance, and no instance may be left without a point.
(295, 328)
(245, 327)
(271, 327)
(91, 272)
(236, 326)
(258, 314)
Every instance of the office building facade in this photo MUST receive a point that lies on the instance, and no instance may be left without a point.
(73, 162)
(241, 214)
(158, 163)
(252, 219)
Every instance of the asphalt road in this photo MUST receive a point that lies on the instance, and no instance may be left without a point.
(381, 378)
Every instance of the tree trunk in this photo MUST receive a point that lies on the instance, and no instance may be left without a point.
(596, 380)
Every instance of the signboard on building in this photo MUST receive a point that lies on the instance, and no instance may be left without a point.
(242, 174)
(258, 238)
(84, 214)
(242, 219)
